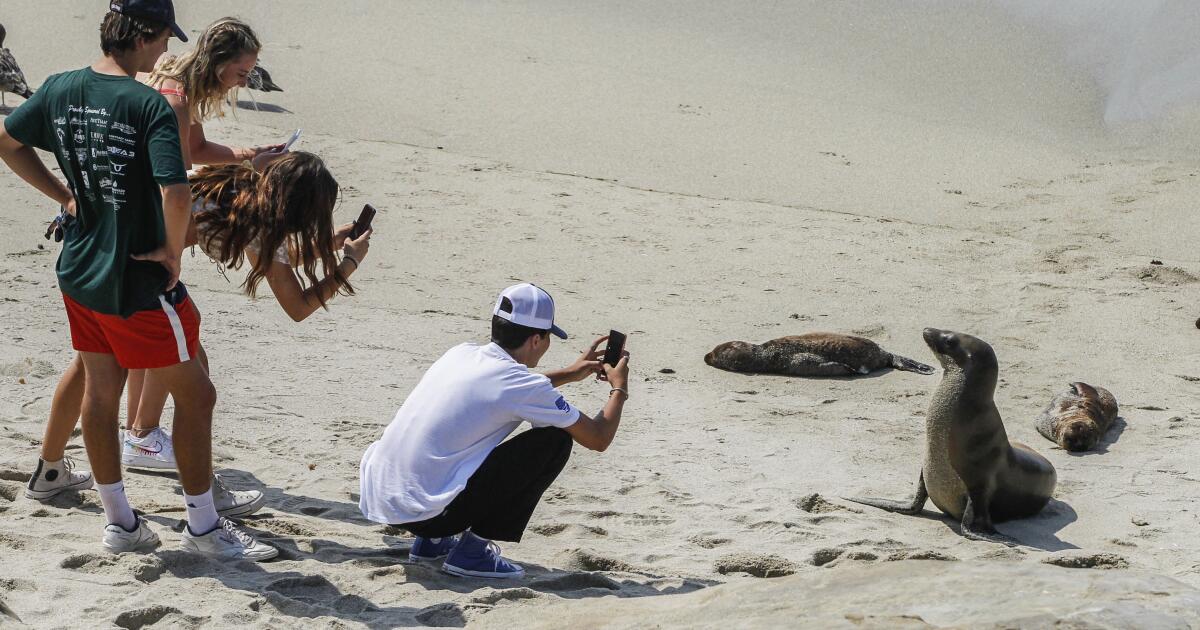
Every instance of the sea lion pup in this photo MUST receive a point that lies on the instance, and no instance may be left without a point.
(1078, 417)
(812, 354)
(971, 471)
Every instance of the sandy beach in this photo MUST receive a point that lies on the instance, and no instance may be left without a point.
(690, 173)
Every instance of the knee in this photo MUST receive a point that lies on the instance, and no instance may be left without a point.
(206, 397)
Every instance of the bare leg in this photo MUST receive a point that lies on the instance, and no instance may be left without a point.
(104, 380)
(133, 396)
(64, 411)
(146, 403)
(151, 396)
(195, 398)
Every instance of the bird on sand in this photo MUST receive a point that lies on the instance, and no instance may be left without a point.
(259, 79)
(11, 77)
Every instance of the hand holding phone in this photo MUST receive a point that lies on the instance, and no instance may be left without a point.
(291, 141)
(615, 347)
(363, 222)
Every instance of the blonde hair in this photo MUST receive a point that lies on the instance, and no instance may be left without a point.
(199, 70)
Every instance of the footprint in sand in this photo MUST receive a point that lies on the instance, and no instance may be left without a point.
(143, 568)
(887, 550)
(587, 560)
(757, 565)
(142, 617)
(1089, 561)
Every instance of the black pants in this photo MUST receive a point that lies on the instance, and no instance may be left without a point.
(500, 497)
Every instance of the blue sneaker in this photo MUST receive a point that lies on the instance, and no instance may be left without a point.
(477, 557)
(431, 548)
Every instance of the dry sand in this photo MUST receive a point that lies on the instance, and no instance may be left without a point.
(690, 173)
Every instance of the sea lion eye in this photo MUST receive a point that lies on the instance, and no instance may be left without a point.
(951, 342)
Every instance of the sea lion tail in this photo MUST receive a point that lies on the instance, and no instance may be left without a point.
(908, 365)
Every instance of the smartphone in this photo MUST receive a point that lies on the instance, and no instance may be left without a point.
(615, 348)
(363, 222)
(292, 140)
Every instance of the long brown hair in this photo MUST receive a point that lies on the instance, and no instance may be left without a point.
(289, 204)
(199, 69)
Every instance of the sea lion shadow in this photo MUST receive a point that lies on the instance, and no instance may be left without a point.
(1039, 531)
(1108, 439)
(857, 376)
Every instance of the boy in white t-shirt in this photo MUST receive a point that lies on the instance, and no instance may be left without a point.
(440, 470)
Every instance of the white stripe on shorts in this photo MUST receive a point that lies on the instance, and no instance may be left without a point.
(177, 328)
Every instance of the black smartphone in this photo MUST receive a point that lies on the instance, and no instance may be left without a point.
(616, 346)
(363, 222)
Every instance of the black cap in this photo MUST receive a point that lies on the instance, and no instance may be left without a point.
(161, 11)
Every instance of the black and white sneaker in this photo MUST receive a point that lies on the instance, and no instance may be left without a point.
(51, 478)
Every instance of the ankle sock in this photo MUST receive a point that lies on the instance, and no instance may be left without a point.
(116, 505)
(201, 513)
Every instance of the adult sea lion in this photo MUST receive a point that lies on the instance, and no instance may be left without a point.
(812, 354)
(971, 471)
(1078, 417)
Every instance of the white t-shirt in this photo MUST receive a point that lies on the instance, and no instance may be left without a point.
(465, 405)
(281, 253)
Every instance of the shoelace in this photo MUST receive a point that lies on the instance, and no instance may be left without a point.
(68, 464)
(231, 528)
(495, 549)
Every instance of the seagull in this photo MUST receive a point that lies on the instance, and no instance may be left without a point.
(11, 77)
(259, 79)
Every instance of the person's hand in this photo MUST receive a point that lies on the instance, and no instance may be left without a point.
(167, 259)
(70, 207)
(263, 156)
(341, 233)
(618, 375)
(357, 248)
(588, 362)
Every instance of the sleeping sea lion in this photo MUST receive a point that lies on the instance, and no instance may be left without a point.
(812, 354)
(971, 471)
(1078, 417)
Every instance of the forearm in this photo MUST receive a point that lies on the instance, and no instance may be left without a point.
(213, 153)
(25, 162)
(609, 419)
(558, 378)
(322, 291)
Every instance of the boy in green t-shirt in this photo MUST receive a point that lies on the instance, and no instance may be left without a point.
(117, 144)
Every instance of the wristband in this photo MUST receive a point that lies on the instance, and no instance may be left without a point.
(351, 259)
(618, 389)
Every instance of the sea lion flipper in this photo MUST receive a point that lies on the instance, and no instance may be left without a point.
(5, 610)
(908, 365)
(909, 506)
(977, 523)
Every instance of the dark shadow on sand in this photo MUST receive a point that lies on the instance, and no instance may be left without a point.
(310, 595)
(1036, 531)
(263, 107)
(276, 500)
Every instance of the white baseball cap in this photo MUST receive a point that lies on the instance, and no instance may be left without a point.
(527, 305)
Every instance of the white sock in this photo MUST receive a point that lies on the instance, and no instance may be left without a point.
(201, 513)
(116, 505)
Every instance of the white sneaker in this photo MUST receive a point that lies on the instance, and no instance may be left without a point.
(153, 451)
(235, 503)
(117, 540)
(227, 540)
(50, 479)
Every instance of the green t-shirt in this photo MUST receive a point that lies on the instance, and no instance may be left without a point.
(116, 140)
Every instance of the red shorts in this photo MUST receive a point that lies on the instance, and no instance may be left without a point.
(144, 341)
